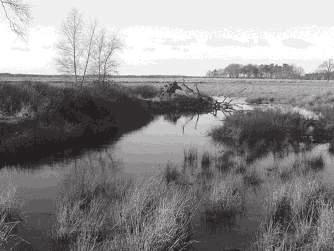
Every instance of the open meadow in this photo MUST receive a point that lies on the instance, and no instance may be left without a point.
(276, 90)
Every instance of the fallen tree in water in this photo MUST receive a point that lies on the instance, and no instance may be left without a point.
(181, 97)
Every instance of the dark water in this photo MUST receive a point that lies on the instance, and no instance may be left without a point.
(145, 152)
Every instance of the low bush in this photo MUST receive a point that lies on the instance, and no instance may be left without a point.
(257, 132)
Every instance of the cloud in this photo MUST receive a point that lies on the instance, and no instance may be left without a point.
(149, 49)
(160, 46)
(35, 55)
(296, 43)
(228, 42)
(17, 48)
(179, 42)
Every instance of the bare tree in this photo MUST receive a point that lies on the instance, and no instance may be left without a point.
(71, 46)
(327, 68)
(82, 50)
(105, 48)
(18, 15)
(90, 45)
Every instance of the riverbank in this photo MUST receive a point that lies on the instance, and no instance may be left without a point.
(38, 120)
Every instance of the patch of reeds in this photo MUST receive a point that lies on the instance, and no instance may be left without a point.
(260, 129)
(294, 211)
(190, 157)
(9, 216)
(225, 196)
(206, 160)
(98, 209)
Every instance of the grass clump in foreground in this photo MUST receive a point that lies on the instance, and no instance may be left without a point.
(296, 215)
(103, 211)
(225, 196)
(9, 216)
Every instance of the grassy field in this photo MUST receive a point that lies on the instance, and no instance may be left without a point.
(279, 91)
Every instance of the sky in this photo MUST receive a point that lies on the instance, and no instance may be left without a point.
(182, 36)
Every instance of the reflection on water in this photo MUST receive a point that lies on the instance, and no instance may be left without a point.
(161, 141)
(144, 152)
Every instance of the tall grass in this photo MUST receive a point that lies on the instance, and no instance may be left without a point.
(99, 209)
(190, 157)
(144, 91)
(260, 128)
(299, 165)
(155, 217)
(9, 215)
(294, 212)
(225, 195)
(206, 160)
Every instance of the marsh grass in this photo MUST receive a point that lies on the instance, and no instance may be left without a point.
(293, 215)
(325, 228)
(156, 217)
(144, 91)
(225, 196)
(172, 174)
(190, 157)
(315, 162)
(225, 161)
(260, 100)
(101, 209)
(260, 130)
(252, 177)
(299, 165)
(9, 216)
(206, 161)
(331, 147)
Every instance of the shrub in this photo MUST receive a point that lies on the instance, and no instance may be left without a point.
(268, 127)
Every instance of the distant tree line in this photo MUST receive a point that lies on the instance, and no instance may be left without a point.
(325, 71)
(271, 71)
